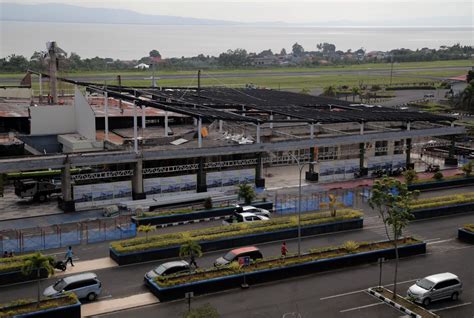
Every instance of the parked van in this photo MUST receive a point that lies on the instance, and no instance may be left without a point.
(435, 287)
(85, 285)
(233, 255)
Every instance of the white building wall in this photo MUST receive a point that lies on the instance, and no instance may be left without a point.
(85, 118)
(15, 92)
(51, 120)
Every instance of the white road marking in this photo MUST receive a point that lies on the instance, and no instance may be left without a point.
(451, 307)
(340, 295)
(431, 240)
(362, 307)
(104, 297)
(363, 290)
(442, 241)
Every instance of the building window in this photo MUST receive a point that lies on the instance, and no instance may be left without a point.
(398, 147)
(381, 148)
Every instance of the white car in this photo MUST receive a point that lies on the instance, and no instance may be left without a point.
(254, 210)
(245, 217)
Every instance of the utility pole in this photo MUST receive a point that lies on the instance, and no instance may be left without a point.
(153, 84)
(199, 83)
(119, 79)
(391, 69)
(53, 72)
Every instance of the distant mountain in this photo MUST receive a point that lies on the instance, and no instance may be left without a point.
(74, 14)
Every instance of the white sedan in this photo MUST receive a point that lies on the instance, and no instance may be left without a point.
(254, 210)
(245, 217)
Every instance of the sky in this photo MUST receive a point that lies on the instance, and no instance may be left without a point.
(286, 11)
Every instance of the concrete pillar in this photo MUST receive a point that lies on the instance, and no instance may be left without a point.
(135, 129)
(258, 133)
(408, 154)
(67, 204)
(143, 118)
(311, 158)
(362, 128)
(362, 164)
(166, 124)
(220, 125)
(259, 180)
(271, 121)
(40, 80)
(106, 113)
(137, 181)
(201, 176)
(311, 174)
(311, 131)
(199, 132)
(243, 110)
(408, 125)
(451, 160)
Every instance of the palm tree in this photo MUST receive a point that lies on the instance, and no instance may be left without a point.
(38, 262)
(332, 204)
(467, 95)
(145, 229)
(190, 249)
(329, 91)
(247, 193)
(355, 91)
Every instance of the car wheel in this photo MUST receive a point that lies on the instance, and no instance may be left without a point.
(42, 198)
(91, 296)
(426, 301)
(454, 296)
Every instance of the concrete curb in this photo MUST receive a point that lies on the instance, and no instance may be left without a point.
(392, 303)
(192, 221)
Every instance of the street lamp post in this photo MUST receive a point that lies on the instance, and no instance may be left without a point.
(300, 167)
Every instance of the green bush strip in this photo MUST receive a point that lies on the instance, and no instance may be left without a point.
(228, 231)
(469, 227)
(436, 202)
(25, 306)
(13, 264)
(275, 262)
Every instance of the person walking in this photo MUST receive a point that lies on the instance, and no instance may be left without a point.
(192, 260)
(284, 249)
(69, 254)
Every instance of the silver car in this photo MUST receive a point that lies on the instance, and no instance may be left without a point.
(435, 287)
(168, 269)
(85, 285)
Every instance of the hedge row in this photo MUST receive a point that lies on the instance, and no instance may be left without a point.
(27, 306)
(396, 88)
(13, 264)
(277, 262)
(469, 227)
(228, 231)
(441, 201)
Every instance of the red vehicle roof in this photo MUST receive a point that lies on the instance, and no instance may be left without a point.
(244, 249)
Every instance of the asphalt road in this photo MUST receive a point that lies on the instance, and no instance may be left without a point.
(131, 276)
(368, 71)
(335, 293)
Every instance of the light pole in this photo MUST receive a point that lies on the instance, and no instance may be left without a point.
(300, 167)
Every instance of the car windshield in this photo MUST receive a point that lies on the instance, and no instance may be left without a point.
(425, 284)
(229, 256)
(59, 285)
(160, 270)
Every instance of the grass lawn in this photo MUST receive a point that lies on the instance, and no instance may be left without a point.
(362, 67)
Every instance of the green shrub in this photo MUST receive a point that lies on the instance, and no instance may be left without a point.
(469, 227)
(410, 176)
(350, 246)
(233, 230)
(208, 203)
(438, 176)
(205, 311)
(12, 264)
(25, 306)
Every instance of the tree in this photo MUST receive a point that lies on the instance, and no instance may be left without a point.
(332, 204)
(155, 53)
(234, 58)
(410, 176)
(145, 229)
(297, 49)
(38, 262)
(438, 176)
(283, 52)
(189, 250)
(247, 193)
(469, 76)
(205, 311)
(329, 91)
(391, 198)
(467, 169)
(355, 91)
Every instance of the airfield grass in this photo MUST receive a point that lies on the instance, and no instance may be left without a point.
(253, 70)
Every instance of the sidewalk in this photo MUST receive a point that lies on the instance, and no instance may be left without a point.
(118, 304)
(88, 266)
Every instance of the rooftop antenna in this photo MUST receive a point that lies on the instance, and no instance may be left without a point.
(54, 52)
